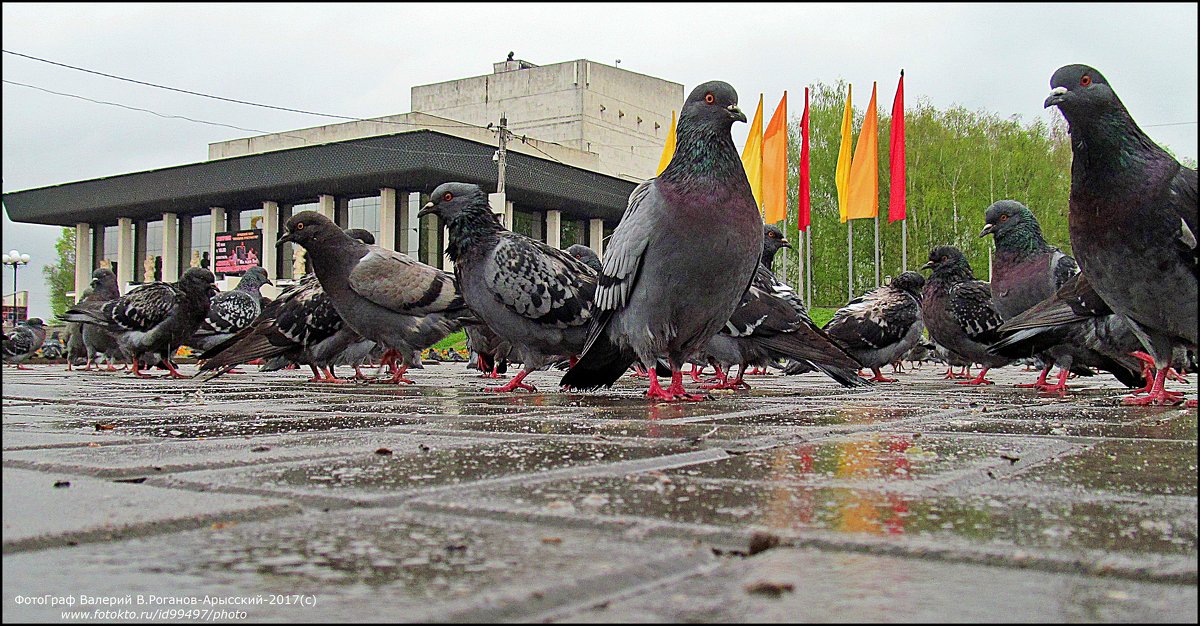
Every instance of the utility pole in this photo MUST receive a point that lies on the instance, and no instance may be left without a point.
(502, 153)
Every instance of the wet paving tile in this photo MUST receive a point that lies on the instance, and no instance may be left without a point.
(1126, 467)
(642, 429)
(380, 476)
(846, 414)
(1149, 423)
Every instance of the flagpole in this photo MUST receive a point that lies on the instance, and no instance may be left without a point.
(876, 250)
(849, 260)
(904, 244)
(808, 264)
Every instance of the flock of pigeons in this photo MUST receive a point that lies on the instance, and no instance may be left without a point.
(654, 304)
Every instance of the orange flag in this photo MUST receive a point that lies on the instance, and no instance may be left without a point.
(841, 177)
(668, 148)
(775, 165)
(864, 168)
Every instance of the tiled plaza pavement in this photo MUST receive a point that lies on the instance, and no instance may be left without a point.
(275, 500)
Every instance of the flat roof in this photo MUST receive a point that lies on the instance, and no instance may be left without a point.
(417, 160)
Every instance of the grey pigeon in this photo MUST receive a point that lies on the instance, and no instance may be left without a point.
(773, 241)
(153, 320)
(882, 325)
(1078, 328)
(98, 341)
(489, 352)
(958, 311)
(232, 310)
(1025, 271)
(684, 254)
(586, 255)
(385, 296)
(535, 297)
(22, 342)
(1133, 219)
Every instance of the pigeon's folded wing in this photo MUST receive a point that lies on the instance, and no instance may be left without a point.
(879, 321)
(540, 282)
(230, 311)
(971, 305)
(623, 256)
(144, 307)
(1184, 201)
(398, 282)
(1063, 268)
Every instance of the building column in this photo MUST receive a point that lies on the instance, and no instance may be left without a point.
(596, 236)
(502, 207)
(125, 252)
(387, 218)
(170, 247)
(447, 264)
(554, 229)
(327, 206)
(216, 225)
(83, 258)
(406, 222)
(270, 234)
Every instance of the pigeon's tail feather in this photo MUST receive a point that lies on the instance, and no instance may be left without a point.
(844, 377)
(600, 366)
(1130, 377)
(238, 350)
(88, 316)
(815, 347)
(1029, 341)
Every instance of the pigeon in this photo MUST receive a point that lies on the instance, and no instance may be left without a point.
(773, 242)
(1025, 271)
(684, 254)
(1132, 219)
(153, 320)
(96, 340)
(232, 310)
(22, 342)
(882, 325)
(958, 311)
(586, 255)
(385, 296)
(1077, 328)
(535, 297)
(919, 354)
(489, 352)
(769, 324)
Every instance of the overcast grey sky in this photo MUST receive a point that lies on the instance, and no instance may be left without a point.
(362, 59)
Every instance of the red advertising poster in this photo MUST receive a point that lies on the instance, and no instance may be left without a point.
(237, 251)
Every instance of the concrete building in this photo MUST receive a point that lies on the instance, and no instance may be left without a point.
(577, 146)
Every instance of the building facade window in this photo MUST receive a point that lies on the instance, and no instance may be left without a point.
(288, 251)
(150, 265)
(571, 233)
(197, 251)
(250, 219)
(364, 213)
(527, 224)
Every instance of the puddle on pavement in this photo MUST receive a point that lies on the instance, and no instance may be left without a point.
(249, 427)
(1151, 423)
(862, 458)
(1124, 467)
(828, 416)
(436, 467)
(1010, 521)
(611, 428)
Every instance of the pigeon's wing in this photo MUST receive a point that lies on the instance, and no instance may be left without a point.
(1062, 267)
(396, 281)
(19, 341)
(971, 305)
(306, 315)
(230, 312)
(877, 321)
(539, 282)
(623, 256)
(1184, 201)
(144, 307)
(1074, 302)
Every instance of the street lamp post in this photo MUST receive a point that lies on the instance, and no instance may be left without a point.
(16, 260)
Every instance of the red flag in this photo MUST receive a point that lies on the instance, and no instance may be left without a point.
(896, 208)
(802, 216)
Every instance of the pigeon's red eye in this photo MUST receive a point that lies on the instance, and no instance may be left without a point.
(709, 98)
(446, 197)
(1085, 81)
(300, 226)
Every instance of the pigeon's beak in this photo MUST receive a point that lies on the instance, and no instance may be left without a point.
(1058, 95)
(987, 230)
(784, 243)
(287, 237)
(736, 113)
(270, 283)
(426, 210)
(927, 266)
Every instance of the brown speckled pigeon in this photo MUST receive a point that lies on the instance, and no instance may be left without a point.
(153, 320)
(1025, 271)
(1133, 219)
(686, 249)
(881, 326)
(958, 311)
(535, 297)
(385, 296)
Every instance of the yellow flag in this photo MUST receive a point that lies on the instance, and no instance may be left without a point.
(864, 172)
(775, 162)
(669, 148)
(842, 176)
(752, 154)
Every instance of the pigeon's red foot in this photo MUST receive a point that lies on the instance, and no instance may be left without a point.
(1176, 376)
(235, 371)
(513, 384)
(1037, 384)
(397, 377)
(1190, 404)
(22, 367)
(1161, 397)
(879, 377)
(978, 380)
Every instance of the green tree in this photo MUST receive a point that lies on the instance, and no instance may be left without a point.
(61, 276)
